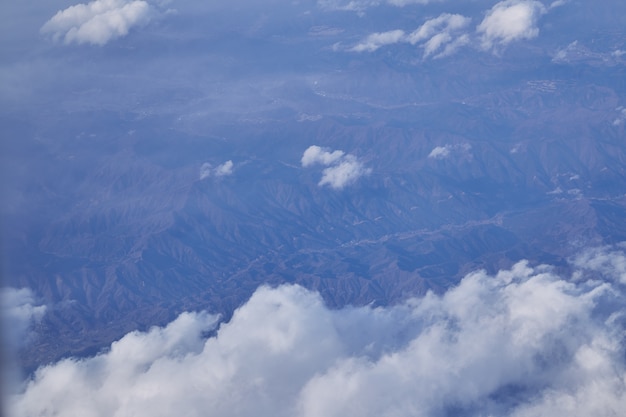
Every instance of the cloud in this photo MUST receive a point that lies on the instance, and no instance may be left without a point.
(344, 173)
(362, 5)
(442, 152)
(509, 21)
(316, 155)
(608, 262)
(222, 170)
(376, 40)
(97, 22)
(342, 169)
(19, 310)
(523, 342)
(621, 116)
(443, 34)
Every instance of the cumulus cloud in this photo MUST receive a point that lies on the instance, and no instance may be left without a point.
(317, 155)
(523, 342)
(442, 152)
(222, 170)
(342, 169)
(97, 22)
(439, 36)
(509, 21)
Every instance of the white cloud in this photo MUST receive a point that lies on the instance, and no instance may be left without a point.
(523, 342)
(344, 173)
(318, 155)
(509, 21)
(97, 22)
(342, 169)
(442, 152)
(222, 170)
(19, 310)
(609, 262)
(444, 23)
(439, 152)
(444, 33)
(376, 40)
(362, 5)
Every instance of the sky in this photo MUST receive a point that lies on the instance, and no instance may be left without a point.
(524, 341)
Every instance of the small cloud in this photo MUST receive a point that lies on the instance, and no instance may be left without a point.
(443, 34)
(222, 170)
(442, 152)
(376, 40)
(317, 155)
(346, 172)
(97, 22)
(19, 309)
(342, 169)
(360, 6)
(509, 21)
(621, 116)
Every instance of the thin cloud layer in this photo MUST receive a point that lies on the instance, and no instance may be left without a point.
(524, 342)
(510, 20)
(342, 169)
(362, 5)
(97, 22)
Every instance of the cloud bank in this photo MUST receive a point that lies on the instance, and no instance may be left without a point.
(97, 22)
(523, 342)
(342, 169)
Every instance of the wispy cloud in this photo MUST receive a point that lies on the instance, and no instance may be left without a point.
(439, 36)
(442, 152)
(19, 311)
(97, 22)
(509, 21)
(341, 169)
(362, 5)
(376, 40)
(523, 342)
(222, 170)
